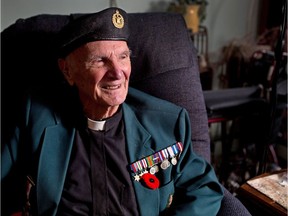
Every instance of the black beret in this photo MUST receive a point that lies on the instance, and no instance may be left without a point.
(109, 24)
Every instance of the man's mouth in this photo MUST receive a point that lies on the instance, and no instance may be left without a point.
(112, 87)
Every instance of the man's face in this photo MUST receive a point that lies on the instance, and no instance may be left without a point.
(100, 70)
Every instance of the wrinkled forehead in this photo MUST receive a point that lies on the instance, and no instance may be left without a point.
(96, 50)
(101, 48)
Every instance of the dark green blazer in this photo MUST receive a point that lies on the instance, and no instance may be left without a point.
(151, 124)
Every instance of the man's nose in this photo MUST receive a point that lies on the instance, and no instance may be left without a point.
(115, 70)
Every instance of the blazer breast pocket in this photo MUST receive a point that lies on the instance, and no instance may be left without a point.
(166, 193)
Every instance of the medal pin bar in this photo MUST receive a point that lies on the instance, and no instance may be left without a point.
(151, 162)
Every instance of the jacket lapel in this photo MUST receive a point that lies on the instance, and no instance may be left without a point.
(53, 163)
(138, 139)
(139, 146)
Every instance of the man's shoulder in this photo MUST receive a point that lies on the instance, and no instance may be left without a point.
(48, 111)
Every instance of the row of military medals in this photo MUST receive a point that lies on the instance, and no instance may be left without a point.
(151, 163)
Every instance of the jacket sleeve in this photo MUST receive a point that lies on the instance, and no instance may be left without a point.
(14, 165)
(197, 190)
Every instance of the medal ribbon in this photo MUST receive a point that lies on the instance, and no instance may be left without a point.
(157, 158)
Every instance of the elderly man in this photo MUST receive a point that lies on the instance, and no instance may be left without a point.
(103, 153)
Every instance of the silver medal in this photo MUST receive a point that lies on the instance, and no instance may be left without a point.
(154, 170)
(174, 161)
(165, 164)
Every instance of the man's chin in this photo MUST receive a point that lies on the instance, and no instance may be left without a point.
(115, 101)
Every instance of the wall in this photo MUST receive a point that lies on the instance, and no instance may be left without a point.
(14, 9)
(231, 19)
(226, 19)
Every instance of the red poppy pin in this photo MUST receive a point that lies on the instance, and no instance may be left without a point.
(151, 181)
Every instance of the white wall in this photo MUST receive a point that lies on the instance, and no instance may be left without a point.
(14, 9)
(230, 19)
(226, 19)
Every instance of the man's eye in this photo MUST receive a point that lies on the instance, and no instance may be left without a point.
(98, 60)
(95, 62)
(124, 56)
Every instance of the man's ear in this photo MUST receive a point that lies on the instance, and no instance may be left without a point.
(63, 66)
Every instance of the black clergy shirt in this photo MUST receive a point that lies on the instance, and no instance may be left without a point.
(98, 181)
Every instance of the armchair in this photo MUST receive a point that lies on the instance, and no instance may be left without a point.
(164, 64)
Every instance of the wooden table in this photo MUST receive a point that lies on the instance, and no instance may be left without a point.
(258, 203)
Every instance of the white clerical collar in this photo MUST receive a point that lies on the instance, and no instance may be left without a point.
(96, 125)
